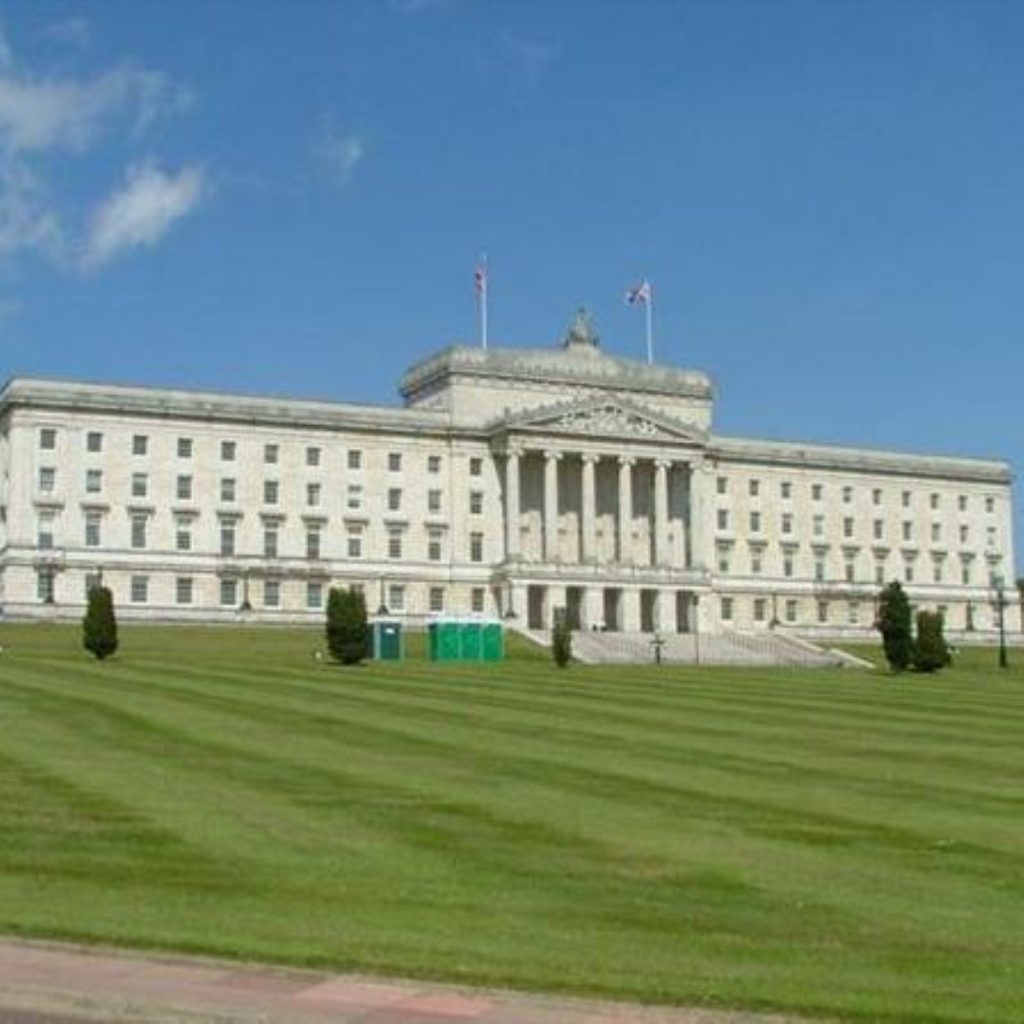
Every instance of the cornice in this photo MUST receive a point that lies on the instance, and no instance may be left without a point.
(796, 454)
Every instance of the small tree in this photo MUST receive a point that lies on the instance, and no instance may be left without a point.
(347, 629)
(99, 627)
(561, 639)
(931, 652)
(894, 623)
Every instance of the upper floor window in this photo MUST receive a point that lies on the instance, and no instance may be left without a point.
(48, 439)
(787, 522)
(47, 479)
(312, 456)
(394, 499)
(271, 453)
(140, 485)
(271, 490)
(933, 501)
(433, 501)
(476, 547)
(990, 504)
(905, 498)
(184, 447)
(722, 485)
(93, 481)
(817, 492)
(355, 497)
(140, 446)
(94, 441)
(476, 466)
(786, 489)
(395, 462)
(312, 495)
(961, 502)
(755, 522)
(476, 502)
(228, 450)
(184, 489)
(355, 458)
(723, 519)
(228, 489)
(433, 463)
(847, 495)
(754, 487)
(818, 525)
(848, 526)
(876, 496)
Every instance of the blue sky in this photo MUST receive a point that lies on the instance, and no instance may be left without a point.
(290, 197)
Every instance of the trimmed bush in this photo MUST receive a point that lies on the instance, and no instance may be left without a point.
(99, 627)
(561, 639)
(931, 652)
(347, 628)
(894, 623)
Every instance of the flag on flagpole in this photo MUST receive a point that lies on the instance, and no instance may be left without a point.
(480, 277)
(640, 295)
(480, 283)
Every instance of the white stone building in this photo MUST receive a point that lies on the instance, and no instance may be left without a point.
(512, 481)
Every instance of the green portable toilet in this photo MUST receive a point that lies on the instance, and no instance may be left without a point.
(443, 640)
(387, 639)
(492, 646)
(470, 637)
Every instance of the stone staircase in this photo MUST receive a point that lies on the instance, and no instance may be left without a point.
(727, 648)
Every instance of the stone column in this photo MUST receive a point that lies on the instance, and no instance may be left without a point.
(551, 460)
(593, 607)
(701, 512)
(660, 524)
(626, 509)
(512, 505)
(588, 508)
(665, 612)
(629, 610)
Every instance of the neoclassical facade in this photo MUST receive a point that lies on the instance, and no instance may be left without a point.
(511, 482)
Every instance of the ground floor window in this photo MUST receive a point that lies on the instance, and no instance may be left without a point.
(228, 592)
(791, 610)
(183, 590)
(853, 613)
(823, 611)
(477, 599)
(727, 609)
(44, 585)
(760, 609)
(139, 590)
(314, 596)
(396, 597)
(437, 599)
(92, 581)
(271, 594)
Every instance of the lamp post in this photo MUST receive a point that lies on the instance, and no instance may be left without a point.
(998, 584)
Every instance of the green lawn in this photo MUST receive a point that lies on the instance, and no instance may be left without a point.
(830, 843)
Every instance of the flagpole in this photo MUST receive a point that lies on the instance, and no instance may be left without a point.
(650, 339)
(484, 285)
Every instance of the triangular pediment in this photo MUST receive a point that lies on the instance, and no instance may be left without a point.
(610, 416)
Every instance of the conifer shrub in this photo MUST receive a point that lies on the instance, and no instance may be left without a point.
(99, 627)
(347, 625)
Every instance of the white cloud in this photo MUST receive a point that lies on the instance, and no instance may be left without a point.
(338, 155)
(70, 31)
(140, 213)
(54, 113)
(27, 222)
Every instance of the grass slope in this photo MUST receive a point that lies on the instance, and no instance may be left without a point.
(819, 842)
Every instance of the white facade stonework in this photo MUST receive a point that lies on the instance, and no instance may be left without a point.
(512, 482)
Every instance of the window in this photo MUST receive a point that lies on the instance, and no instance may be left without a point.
(44, 585)
(271, 594)
(184, 447)
(138, 532)
(847, 495)
(355, 497)
(476, 466)
(434, 553)
(990, 535)
(355, 458)
(94, 441)
(990, 504)
(965, 574)
(819, 570)
(44, 531)
(183, 590)
(905, 499)
(876, 496)
(791, 610)
(847, 526)
(183, 534)
(786, 489)
(936, 532)
(140, 446)
(355, 544)
(787, 522)
(476, 503)
(908, 530)
(92, 529)
(228, 450)
(723, 519)
(271, 453)
(228, 489)
(313, 542)
(394, 499)
(47, 479)
(312, 456)
(755, 522)
(908, 572)
(93, 481)
(184, 490)
(92, 581)
(760, 609)
(787, 565)
(433, 501)
(433, 463)
(723, 558)
(227, 539)
(961, 502)
(313, 495)
(727, 609)
(140, 485)
(476, 547)
(754, 487)
(270, 538)
(853, 612)
(818, 525)
(271, 490)
(879, 529)
(817, 491)
(880, 572)
(395, 462)
(436, 599)
(756, 563)
(937, 573)
(849, 571)
(823, 612)
(394, 543)
(48, 439)
(723, 485)
(396, 597)
(934, 502)
(965, 533)
(476, 600)
(138, 590)
(229, 592)
(314, 596)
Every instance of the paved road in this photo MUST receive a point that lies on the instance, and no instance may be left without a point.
(50, 983)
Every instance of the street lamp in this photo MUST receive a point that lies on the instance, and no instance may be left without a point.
(999, 602)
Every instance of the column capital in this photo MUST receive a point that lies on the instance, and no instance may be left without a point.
(515, 449)
(591, 457)
(663, 462)
(552, 456)
(627, 460)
